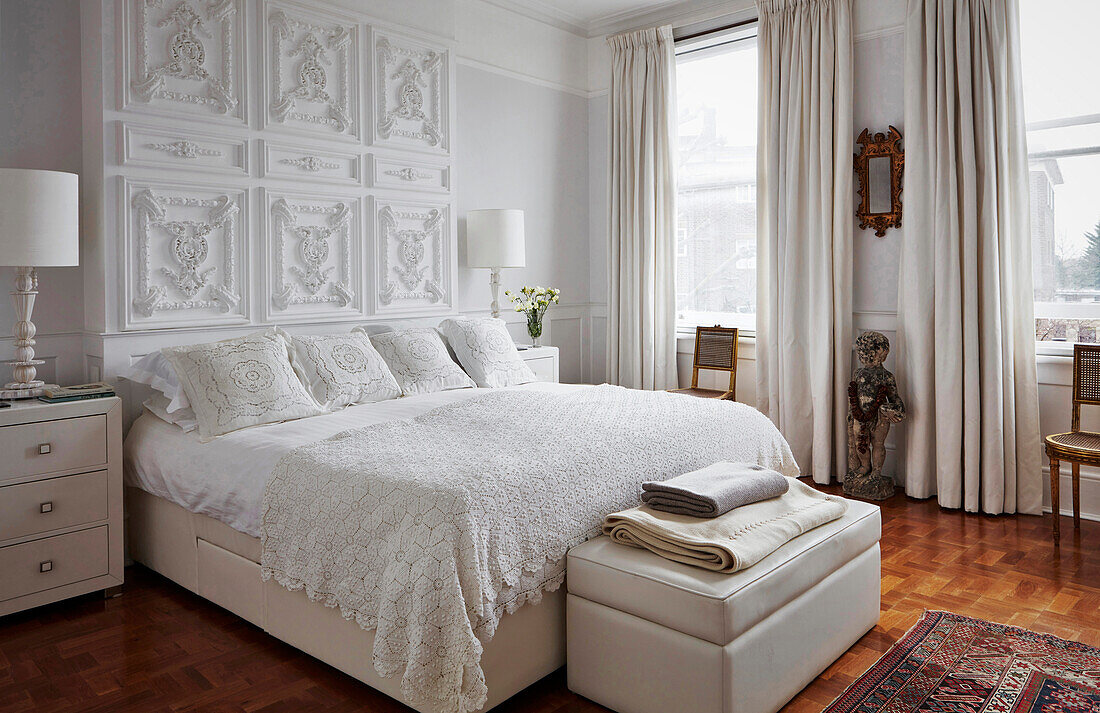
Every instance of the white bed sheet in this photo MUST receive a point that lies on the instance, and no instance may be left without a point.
(225, 478)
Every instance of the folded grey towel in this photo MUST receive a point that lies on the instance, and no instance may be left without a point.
(716, 489)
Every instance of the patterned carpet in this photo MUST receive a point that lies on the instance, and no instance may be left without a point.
(949, 663)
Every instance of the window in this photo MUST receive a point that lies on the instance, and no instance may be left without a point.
(1062, 105)
(716, 179)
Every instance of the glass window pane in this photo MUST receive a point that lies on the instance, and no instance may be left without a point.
(1065, 240)
(1060, 57)
(716, 208)
(1062, 107)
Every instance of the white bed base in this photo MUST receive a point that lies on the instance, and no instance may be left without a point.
(220, 564)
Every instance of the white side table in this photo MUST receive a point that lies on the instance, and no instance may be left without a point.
(543, 361)
(60, 501)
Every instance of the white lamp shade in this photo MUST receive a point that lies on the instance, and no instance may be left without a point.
(39, 218)
(494, 238)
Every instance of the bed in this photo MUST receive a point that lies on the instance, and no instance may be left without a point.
(206, 515)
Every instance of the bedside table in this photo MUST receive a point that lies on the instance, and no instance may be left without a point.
(60, 501)
(543, 361)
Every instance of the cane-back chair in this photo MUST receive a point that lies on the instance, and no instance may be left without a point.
(1076, 446)
(715, 350)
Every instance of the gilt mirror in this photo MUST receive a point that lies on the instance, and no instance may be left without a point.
(879, 165)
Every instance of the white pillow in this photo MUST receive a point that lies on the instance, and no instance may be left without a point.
(342, 369)
(157, 404)
(419, 359)
(486, 351)
(241, 382)
(153, 369)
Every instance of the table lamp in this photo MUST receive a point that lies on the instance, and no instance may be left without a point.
(39, 227)
(494, 239)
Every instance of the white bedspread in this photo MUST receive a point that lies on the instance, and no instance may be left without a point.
(428, 531)
(225, 478)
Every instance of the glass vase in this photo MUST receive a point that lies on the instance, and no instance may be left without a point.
(534, 328)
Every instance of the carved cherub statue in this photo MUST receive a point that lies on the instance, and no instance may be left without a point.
(873, 407)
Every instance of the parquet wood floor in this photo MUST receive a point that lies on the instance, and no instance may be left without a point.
(160, 648)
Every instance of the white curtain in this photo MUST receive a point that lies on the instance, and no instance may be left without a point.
(966, 351)
(641, 319)
(804, 227)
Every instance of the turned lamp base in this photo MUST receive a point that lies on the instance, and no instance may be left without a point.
(25, 385)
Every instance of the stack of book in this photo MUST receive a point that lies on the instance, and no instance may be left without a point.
(61, 394)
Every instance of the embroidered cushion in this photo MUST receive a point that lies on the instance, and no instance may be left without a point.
(486, 351)
(419, 360)
(342, 369)
(241, 382)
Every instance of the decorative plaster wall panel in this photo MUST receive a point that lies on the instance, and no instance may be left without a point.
(405, 175)
(186, 256)
(311, 73)
(168, 148)
(312, 256)
(413, 255)
(186, 56)
(412, 97)
(299, 163)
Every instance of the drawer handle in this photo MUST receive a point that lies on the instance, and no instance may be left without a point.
(46, 566)
(46, 507)
(44, 449)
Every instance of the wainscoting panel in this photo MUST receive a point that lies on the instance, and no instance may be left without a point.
(187, 261)
(312, 69)
(152, 147)
(185, 58)
(412, 98)
(312, 253)
(414, 255)
(304, 164)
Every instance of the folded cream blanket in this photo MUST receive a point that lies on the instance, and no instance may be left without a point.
(714, 490)
(731, 542)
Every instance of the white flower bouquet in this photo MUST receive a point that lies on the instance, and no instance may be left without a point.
(533, 302)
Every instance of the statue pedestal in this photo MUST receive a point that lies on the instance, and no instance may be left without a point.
(868, 486)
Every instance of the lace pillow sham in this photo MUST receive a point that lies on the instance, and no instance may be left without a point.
(241, 382)
(342, 369)
(419, 360)
(487, 352)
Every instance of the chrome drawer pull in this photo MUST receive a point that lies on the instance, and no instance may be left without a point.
(45, 507)
(46, 566)
(44, 449)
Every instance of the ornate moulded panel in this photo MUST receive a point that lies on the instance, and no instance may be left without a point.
(312, 256)
(186, 255)
(413, 255)
(311, 71)
(186, 56)
(301, 163)
(412, 93)
(408, 175)
(155, 147)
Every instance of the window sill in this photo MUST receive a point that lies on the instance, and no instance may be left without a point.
(1054, 349)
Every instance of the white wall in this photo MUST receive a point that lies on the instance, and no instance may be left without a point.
(525, 145)
(40, 128)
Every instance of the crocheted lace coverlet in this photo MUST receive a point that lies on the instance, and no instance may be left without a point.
(429, 530)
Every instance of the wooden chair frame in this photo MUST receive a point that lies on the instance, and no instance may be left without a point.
(696, 366)
(1057, 452)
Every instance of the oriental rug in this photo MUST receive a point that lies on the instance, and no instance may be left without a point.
(949, 663)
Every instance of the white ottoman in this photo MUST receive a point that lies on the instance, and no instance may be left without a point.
(646, 635)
